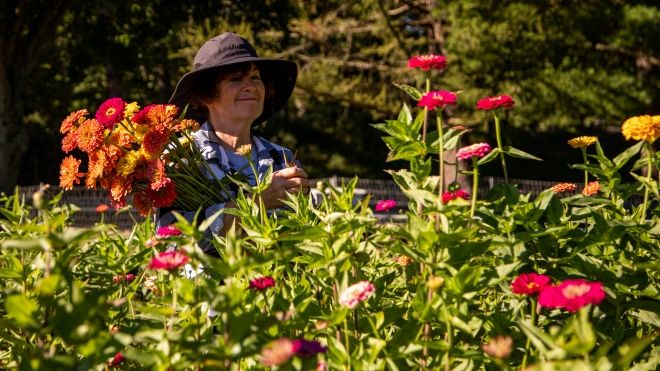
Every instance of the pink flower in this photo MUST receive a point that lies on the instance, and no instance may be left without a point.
(168, 260)
(529, 283)
(439, 98)
(449, 195)
(277, 352)
(307, 348)
(356, 293)
(490, 103)
(426, 62)
(385, 205)
(262, 283)
(475, 150)
(167, 231)
(572, 294)
(116, 360)
(110, 112)
(123, 278)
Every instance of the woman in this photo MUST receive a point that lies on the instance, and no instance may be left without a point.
(232, 89)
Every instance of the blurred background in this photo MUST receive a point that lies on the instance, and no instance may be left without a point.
(573, 67)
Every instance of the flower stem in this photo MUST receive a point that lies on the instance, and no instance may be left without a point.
(498, 136)
(441, 154)
(475, 184)
(649, 171)
(528, 343)
(449, 340)
(586, 162)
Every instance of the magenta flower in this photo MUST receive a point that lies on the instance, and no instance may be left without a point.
(439, 98)
(262, 283)
(530, 283)
(449, 195)
(490, 103)
(572, 294)
(307, 348)
(167, 231)
(385, 205)
(475, 150)
(426, 62)
(117, 360)
(110, 112)
(356, 293)
(168, 260)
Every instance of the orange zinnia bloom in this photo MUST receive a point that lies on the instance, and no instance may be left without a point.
(160, 117)
(644, 127)
(591, 189)
(69, 173)
(70, 121)
(97, 162)
(582, 142)
(70, 141)
(90, 135)
(154, 142)
(119, 189)
(158, 176)
(563, 187)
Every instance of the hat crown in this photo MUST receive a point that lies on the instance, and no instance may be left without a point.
(223, 49)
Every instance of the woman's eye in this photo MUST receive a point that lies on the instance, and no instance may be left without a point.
(256, 78)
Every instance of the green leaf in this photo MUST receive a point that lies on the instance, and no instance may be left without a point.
(626, 155)
(35, 244)
(22, 309)
(410, 90)
(489, 157)
(514, 152)
(632, 348)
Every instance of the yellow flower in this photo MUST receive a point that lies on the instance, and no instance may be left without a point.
(244, 150)
(582, 142)
(128, 163)
(130, 109)
(643, 127)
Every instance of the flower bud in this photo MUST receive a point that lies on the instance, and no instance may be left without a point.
(435, 282)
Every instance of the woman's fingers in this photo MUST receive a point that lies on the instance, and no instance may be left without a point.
(290, 172)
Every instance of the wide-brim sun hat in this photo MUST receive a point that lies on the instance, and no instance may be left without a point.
(229, 49)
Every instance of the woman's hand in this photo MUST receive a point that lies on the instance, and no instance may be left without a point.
(290, 179)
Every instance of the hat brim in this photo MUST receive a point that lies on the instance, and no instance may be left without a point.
(281, 75)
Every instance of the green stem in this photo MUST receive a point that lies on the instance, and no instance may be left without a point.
(450, 340)
(528, 343)
(649, 171)
(475, 184)
(498, 136)
(441, 154)
(347, 342)
(586, 162)
(426, 114)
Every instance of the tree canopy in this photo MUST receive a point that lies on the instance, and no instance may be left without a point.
(573, 67)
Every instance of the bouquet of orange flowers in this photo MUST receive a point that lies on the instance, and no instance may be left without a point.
(146, 154)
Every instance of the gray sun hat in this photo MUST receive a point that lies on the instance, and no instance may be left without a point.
(229, 49)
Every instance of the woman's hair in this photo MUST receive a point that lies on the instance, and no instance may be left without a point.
(206, 87)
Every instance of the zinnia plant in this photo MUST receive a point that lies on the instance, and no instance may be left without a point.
(474, 152)
(169, 260)
(490, 104)
(357, 293)
(385, 205)
(572, 294)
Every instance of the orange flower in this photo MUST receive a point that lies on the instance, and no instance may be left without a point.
(160, 117)
(591, 189)
(142, 203)
(70, 141)
(90, 135)
(70, 122)
(102, 208)
(165, 195)
(563, 187)
(644, 127)
(119, 189)
(69, 172)
(158, 176)
(186, 124)
(154, 142)
(97, 164)
(582, 142)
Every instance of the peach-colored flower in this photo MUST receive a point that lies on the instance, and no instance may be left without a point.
(582, 142)
(95, 168)
(403, 260)
(564, 187)
(426, 62)
(277, 352)
(591, 189)
(475, 150)
(69, 174)
(646, 128)
(490, 103)
(434, 99)
(356, 293)
(498, 347)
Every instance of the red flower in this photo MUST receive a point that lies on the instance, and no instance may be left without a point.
(476, 150)
(572, 294)
(167, 231)
(168, 260)
(449, 195)
(130, 277)
(529, 283)
(165, 195)
(439, 98)
(307, 348)
(426, 62)
(117, 360)
(262, 283)
(140, 118)
(490, 103)
(385, 205)
(110, 112)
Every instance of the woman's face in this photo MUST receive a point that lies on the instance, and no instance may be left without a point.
(240, 96)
